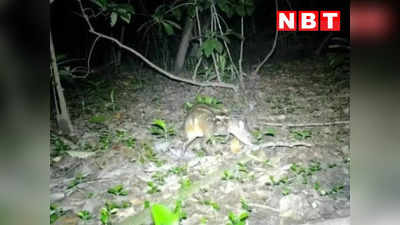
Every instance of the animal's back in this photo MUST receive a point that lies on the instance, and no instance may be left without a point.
(199, 123)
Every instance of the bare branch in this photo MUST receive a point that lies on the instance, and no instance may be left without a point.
(307, 124)
(272, 49)
(148, 62)
(90, 55)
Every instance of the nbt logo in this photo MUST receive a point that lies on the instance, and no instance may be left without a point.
(308, 21)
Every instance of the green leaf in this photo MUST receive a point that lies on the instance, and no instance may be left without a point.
(126, 17)
(226, 7)
(270, 132)
(160, 123)
(127, 8)
(245, 7)
(101, 3)
(232, 217)
(104, 216)
(210, 45)
(146, 204)
(218, 46)
(118, 190)
(168, 28)
(84, 215)
(243, 216)
(163, 216)
(114, 18)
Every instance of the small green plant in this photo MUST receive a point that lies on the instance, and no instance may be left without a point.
(336, 189)
(272, 179)
(301, 135)
(59, 146)
(317, 186)
(208, 101)
(213, 204)
(179, 171)
(153, 188)
(259, 134)
(105, 140)
(99, 119)
(79, 178)
(160, 129)
(118, 190)
(178, 209)
(159, 178)
(162, 215)
(55, 213)
(332, 165)
(203, 220)
(146, 204)
(297, 168)
(105, 216)
(148, 154)
(243, 167)
(227, 175)
(284, 180)
(125, 139)
(315, 166)
(129, 142)
(110, 209)
(84, 215)
(305, 180)
(270, 132)
(285, 191)
(185, 184)
(244, 205)
(187, 106)
(267, 163)
(120, 134)
(237, 220)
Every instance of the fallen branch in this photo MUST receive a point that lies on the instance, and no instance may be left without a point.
(148, 62)
(307, 124)
(282, 144)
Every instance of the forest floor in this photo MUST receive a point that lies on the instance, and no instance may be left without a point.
(116, 170)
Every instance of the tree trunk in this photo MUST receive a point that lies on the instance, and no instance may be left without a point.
(184, 45)
(63, 118)
(119, 50)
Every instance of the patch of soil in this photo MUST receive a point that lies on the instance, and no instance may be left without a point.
(278, 185)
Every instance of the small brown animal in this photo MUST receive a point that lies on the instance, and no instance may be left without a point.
(204, 121)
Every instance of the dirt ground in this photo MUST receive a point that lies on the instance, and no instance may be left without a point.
(301, 101)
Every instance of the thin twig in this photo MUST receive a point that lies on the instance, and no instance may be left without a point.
(225, 44)
(90, 54)
(307, 124)
(200, 41)
(241, 51)
(272, 49)
(282, 144)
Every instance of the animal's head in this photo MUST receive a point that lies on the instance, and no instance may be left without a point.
(239, 129)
